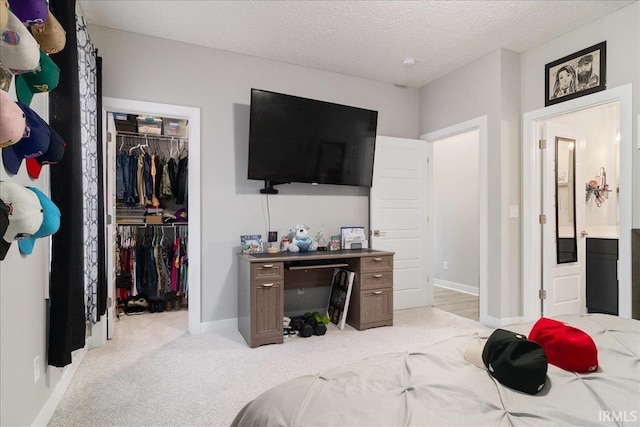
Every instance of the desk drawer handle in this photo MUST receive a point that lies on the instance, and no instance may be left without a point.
(377, 276)
(377, 259)
(267, 265)
(267, 285)
(377, 292)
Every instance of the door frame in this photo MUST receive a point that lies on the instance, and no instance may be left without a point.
(194, 208)
(532, 193)
(481, 125)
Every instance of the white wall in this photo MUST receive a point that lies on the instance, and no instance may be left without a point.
(455, 211)
(621, 30)
(599, 127)
(219, 84)
(23, 314)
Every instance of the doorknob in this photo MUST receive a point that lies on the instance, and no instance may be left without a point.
(378, 233)
(583, 234)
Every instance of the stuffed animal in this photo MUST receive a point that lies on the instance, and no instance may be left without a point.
(301, 242)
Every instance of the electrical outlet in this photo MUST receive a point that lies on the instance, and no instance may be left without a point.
(36, 369)
(300, 291)
(445, 265)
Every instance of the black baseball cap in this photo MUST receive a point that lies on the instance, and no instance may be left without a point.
(515, 361)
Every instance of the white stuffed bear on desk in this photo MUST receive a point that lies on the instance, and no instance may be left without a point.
(301, 242)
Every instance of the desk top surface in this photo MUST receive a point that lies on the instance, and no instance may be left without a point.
(296, 256)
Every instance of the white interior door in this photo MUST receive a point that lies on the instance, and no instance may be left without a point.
(399, 215)
(563, 283)
(110, 207)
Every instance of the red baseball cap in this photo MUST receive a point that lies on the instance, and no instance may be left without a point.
(566, 347)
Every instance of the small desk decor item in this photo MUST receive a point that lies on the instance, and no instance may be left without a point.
(341, 285)
(251, 244)
(353, 238)
(581, 73)
(273, 242)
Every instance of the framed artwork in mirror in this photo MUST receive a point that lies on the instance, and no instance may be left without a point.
(576, 75)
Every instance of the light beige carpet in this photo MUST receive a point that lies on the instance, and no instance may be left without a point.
(153, 373)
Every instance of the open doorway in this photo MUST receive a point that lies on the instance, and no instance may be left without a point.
(459, 274)
(455, 219)
(192, 115)
(535, 282)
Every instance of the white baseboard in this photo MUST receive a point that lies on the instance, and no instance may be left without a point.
(45, 414)
(495, 322)
(472, 290)
(219, 325)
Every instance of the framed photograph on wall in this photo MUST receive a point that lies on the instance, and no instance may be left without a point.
(576, 75)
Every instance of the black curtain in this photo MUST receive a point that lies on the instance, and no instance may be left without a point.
(67, 310)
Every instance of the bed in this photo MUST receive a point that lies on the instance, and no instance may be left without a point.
(436, 386)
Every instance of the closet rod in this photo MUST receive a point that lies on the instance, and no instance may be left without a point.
(151, 136)
(146, 224)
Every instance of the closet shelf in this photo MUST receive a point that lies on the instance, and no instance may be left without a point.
(151, 136)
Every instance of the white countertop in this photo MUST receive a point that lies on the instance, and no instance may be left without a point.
(603, 232)
(594, 232)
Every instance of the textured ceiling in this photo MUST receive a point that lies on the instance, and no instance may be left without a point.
(360, 38)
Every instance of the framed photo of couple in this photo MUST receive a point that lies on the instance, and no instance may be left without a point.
(576, 75)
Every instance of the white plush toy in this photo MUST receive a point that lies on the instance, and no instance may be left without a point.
(301, 242)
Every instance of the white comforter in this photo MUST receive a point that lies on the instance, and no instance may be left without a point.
(436, 386)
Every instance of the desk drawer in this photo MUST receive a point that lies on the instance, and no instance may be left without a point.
(267, 271)
(376, 306)
(376, 263)
(376, 279)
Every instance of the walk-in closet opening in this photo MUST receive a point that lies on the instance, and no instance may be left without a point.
(148, 188)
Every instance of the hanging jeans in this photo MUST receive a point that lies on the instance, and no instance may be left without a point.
(128, 179)
(146, 275)
(146, 176)
(120, 176)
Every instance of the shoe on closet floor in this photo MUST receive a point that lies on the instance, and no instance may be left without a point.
(136, 305)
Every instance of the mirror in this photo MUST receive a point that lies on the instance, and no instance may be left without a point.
(566, 247)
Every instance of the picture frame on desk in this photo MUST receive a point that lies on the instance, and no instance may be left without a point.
(251, 243)
(353, 238)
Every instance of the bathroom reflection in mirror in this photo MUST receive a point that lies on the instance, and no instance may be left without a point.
(566, 247)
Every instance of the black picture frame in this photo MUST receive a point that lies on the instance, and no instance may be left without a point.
(579, 74)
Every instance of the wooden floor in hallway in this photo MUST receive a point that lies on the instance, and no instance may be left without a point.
(459, 303)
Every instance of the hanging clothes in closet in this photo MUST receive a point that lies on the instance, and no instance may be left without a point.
(149, 171)
(153, 265)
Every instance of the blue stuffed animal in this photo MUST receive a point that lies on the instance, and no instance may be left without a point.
(301, 242)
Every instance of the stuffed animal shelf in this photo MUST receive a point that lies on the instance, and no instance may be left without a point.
(301, 242)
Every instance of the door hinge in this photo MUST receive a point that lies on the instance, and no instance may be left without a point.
(542, 294)
(108, 136)
(543, 219)
(542, 144)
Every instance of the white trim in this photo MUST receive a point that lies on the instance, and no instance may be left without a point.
(219, 325)
(531, 193)
(194, 249)
(481, 124)
(458, 287)
(494, 322)
(49, 407)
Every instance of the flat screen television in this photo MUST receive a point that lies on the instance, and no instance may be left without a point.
(294, 139)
